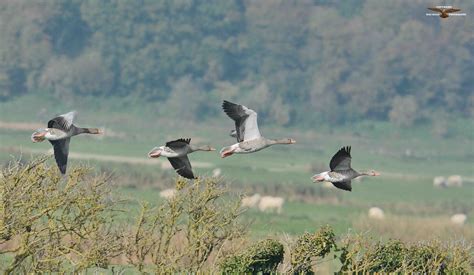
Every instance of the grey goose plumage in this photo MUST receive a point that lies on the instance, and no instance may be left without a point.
(177, 153)
(59, 132)
(341, 172)
(246, 131)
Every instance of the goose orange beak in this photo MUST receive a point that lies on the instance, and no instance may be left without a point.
(155, 153)
(317, 178)
(226, 153)
(38, 136)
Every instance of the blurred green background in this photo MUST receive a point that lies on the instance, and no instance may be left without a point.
(381, 76)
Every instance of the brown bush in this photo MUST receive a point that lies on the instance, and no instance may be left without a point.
(59, 224)
(51, 223)
(187, 232)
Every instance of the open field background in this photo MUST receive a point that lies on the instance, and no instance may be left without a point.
(408, 160)
(381, 76)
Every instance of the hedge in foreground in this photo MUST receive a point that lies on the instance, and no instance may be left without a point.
(187, 232)
(67, 224)
(50, 223)
(309, 247)
(263, 257)
(360, 254)
(53, 223)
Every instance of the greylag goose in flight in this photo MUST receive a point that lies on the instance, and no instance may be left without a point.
(59, 132)
(341, 172)
(444, 13)
(177, 153)
(248, 136)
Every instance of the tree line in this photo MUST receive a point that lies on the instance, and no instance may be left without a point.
(298, 61)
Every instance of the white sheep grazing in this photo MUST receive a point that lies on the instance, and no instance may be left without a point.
(216, 172)
(251, 201)
(168, 193)
(376, 213)
(454, 180)
(458, 219)
(439, 182)
(269, 202)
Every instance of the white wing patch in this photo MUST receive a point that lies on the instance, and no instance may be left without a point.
(250, 125)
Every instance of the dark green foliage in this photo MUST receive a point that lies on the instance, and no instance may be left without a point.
(418, 257)
(263, 257)
(437, 258)
(375, 60)
(310, 246)
(361, 255)
(387, 257)
(158, 42)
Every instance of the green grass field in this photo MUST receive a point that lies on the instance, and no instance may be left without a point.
(408, 159)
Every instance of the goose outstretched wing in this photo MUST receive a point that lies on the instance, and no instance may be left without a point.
(344, 185)
(61, 152)
(179, 143)
(63, 122)
(246, 127)
(182, 167)
(341, 160)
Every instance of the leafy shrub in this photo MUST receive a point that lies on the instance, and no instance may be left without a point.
(387, 257)
(360, 254)
(54, 223)
(310, 246)
(435, 257)
(262, 257)
(185, 232)
(50, 223)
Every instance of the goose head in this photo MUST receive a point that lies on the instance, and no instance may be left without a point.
(320, 177)
(225, 152)
(372, 173)
(40, 135)
(229, 150)
(49, 134)
(207, 148)
(156, 152)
